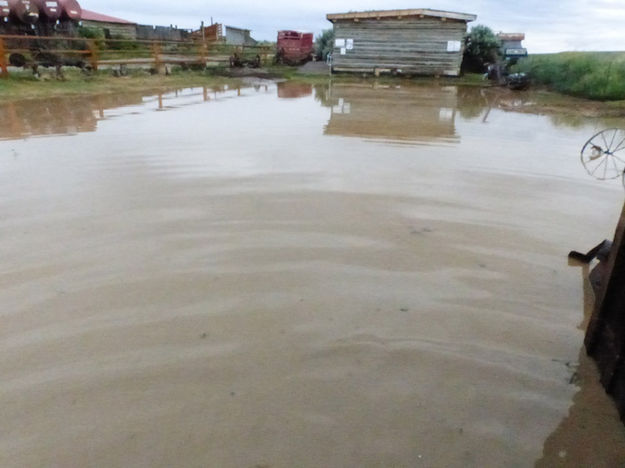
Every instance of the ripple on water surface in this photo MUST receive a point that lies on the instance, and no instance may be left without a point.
(297, 275)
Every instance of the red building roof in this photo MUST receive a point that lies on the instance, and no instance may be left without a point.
(88, 15)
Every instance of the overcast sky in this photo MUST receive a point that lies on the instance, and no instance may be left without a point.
(550, 25)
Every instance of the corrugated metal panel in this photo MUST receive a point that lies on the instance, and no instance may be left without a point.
(238, 36)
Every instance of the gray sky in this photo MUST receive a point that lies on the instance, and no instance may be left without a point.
(550, 25)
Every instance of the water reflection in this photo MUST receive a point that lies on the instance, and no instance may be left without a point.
(294, 90)
(403, 114)
(409, 115)
(72, 115)
(58, 116)
(207, 235)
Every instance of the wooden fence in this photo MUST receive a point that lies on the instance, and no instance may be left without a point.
(99, 53)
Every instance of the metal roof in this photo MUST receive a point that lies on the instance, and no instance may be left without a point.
(511, 36)
(380, 14)
(88, 15)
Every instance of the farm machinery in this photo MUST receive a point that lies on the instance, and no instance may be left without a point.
(23, 21)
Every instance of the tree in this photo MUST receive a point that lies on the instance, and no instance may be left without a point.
(482, 48)
(324, 44)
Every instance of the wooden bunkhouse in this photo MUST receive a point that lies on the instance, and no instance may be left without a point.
(411, 42)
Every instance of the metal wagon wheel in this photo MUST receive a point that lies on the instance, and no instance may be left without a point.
(603, 156)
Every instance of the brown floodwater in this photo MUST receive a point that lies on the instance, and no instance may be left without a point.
(299, 276)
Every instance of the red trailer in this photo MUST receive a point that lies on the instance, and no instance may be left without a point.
(294, 47)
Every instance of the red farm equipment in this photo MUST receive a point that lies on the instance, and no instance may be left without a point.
(294, 48)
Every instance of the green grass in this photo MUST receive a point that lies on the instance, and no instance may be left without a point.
(592, 75)
(22, 85)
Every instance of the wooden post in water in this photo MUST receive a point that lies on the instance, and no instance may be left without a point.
(4, 66)
(605, 338)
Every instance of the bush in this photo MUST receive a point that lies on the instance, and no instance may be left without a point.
(90, 33)
(593, 75)
(324, 44)
(482, 48)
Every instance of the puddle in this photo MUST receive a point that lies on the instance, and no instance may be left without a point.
(298, 275)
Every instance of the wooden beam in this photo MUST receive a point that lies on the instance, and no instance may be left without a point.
(402, 13)
(605, 337)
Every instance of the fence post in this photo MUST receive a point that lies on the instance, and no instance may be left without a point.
(93, 56)
(156, 53)
(4, 70)
(204, 53)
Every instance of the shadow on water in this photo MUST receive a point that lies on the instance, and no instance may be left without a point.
(592, 426)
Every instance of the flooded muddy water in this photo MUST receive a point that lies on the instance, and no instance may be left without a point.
(298, 276)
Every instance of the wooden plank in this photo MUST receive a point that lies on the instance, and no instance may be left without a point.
(605, 337)
(412, 45)
(421, 12)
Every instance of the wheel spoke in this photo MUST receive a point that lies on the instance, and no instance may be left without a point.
(592, 143)
(620, 146)
(617, 171)
(597, 168)
(613, 138)
(604, 140)
(593, 164)
(616, 157)
(589, 158)
(605, 170)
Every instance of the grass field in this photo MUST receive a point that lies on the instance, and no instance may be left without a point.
(22, 85)
(593, 75)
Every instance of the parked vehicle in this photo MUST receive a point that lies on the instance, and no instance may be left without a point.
(294, 48)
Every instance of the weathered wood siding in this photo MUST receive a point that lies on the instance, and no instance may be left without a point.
(114, 30)
(411, 45)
